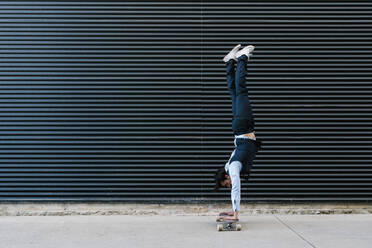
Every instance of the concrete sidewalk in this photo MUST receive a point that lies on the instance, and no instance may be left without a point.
(274, 231)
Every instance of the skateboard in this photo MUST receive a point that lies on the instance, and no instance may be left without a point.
(227, 225)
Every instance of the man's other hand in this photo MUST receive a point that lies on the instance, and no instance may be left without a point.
(227, 213)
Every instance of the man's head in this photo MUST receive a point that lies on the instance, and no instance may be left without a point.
(222, 179)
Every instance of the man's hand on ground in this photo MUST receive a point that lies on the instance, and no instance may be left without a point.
(229, 218)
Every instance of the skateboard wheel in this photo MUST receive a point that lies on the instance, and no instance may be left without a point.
(219, 228)
(238, 227)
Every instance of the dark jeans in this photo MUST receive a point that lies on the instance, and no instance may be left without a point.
(243, 120)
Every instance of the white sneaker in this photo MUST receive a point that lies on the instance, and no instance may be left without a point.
(246, 51)
(231, 54)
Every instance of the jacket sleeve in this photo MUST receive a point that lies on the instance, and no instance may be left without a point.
(234, 171)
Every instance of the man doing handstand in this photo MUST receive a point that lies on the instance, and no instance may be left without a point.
(246, 145)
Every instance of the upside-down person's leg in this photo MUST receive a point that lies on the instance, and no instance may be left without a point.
(244, 116)
(230, 78)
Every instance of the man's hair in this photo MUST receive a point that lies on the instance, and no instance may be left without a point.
(219, 177)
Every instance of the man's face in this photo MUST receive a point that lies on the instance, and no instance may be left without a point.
(227, 182)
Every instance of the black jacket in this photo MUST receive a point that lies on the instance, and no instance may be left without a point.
(245, 152)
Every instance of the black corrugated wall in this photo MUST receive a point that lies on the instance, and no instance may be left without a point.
(127, 100)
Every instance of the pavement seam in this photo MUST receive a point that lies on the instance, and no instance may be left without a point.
(290, 228)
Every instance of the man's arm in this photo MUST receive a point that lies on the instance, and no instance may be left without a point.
(234, 171)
